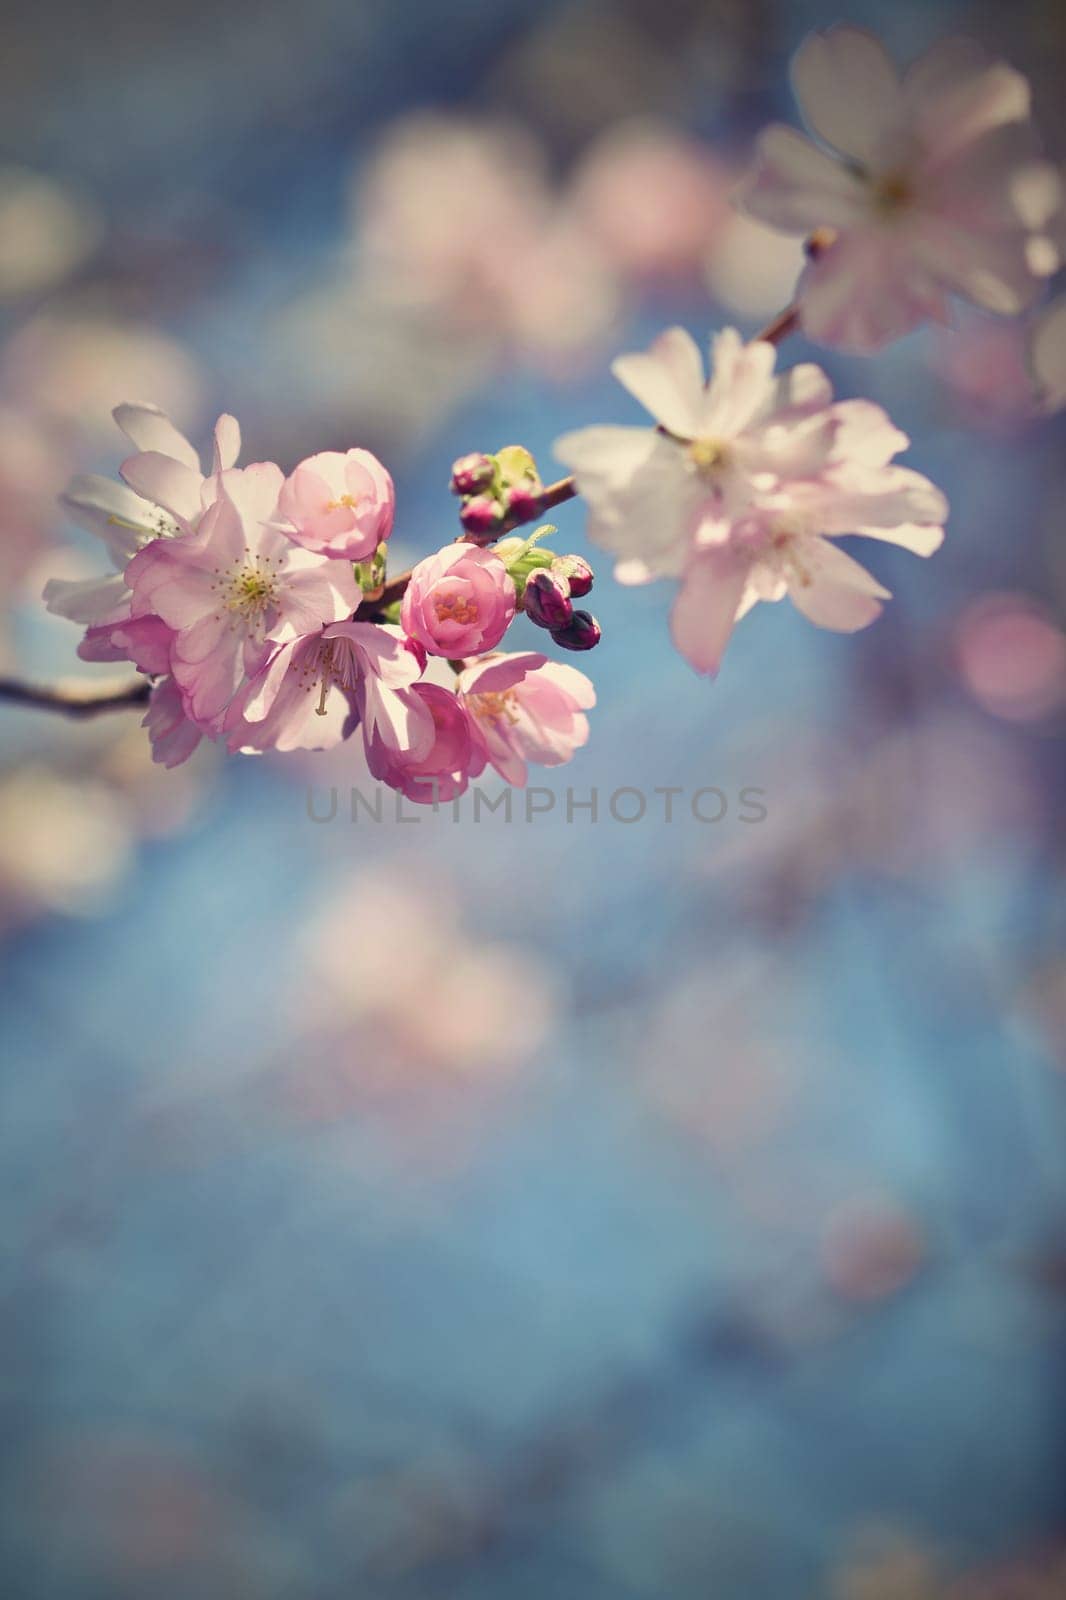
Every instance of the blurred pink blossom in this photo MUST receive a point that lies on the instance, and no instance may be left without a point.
(933, 184)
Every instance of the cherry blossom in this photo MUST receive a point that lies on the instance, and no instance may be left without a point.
(741, 486)
(312, 691)
(932, 184)
(234, 587)
(648, 488)
(339, 504)
(459, 602)
(524, 708)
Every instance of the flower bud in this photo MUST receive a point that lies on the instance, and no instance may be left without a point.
(582, 632)
(577, 573)
(547, 600)
(523, 502)
(481, 514)
(471, 474)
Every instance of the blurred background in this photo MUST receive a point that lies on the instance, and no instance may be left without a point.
(469, 1211)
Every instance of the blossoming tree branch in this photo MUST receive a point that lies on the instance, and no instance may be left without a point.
(257, 607)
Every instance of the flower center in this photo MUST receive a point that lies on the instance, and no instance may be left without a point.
(249, 589)
(455, 608)
(346, 502)
(708, 456)
(892, 193)
(495, 707)
(333, 663)
(159, 526)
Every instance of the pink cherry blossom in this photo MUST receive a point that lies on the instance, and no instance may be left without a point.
(439, 773)
(173, 735)
(932, 184)
(459, 602)
(311, 691)
(339, 504)
(524, 708)
(234, 587)
(648, 488)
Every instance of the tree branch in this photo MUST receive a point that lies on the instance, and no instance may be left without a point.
(74, 698)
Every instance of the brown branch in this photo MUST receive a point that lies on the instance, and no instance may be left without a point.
(73, 698)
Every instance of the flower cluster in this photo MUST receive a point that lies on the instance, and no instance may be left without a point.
(257, 605)
(742, 487)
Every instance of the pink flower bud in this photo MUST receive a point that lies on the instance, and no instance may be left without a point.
(482, 514)
(459, 602)
(523, 502)
(547, 599)
(472, 473)
(582, 632)
(577, 573)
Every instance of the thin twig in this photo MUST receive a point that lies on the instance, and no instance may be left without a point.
(74, 698)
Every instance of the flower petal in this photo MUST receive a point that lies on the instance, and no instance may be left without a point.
(668, 380)
(227, 442)
(167, 483)
(704, 613)
(104, 507)
(835, 591)
(89, 600)
(149, 429)
(796, 187)
(848, 90)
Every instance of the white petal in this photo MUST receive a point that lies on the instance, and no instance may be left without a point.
(954, 94)
(866, 434)
(795, 186)
(646, 513)
(227, 442)
(605, 455)
(991, 269)
(741, 386)
(148, 428)
(878, 501)
(668, 380)
(88, 600)
(103, 507)
(165, 482)
(848, 90)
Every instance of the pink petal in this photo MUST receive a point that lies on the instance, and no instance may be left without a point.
(704, 613)
(862, 293)
(836, 592)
